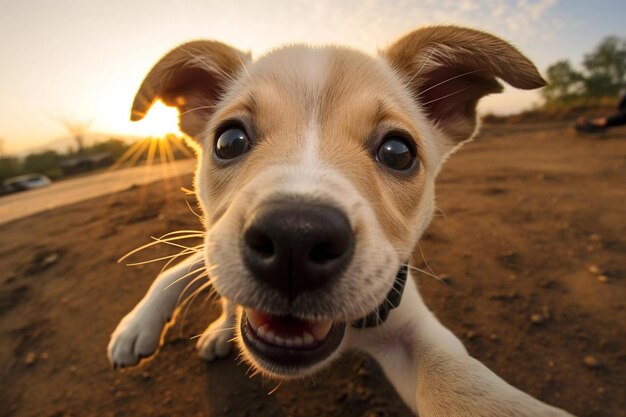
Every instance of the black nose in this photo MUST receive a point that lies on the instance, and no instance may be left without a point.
(296, 247)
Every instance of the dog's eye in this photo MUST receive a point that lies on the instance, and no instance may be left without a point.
(232, 143)
(396, 154)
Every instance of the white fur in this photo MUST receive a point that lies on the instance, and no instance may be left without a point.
(426, 363)
(139, 333)
(429, 367)
(214, 342)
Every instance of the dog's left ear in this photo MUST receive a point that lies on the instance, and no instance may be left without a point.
(191, 77)
(449, 68)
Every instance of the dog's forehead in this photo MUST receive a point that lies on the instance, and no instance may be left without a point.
(309, 70)
(317, 116)
(299, 69)
(325, 83)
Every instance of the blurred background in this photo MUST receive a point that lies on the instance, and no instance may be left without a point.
(83, 61)
(530, 241)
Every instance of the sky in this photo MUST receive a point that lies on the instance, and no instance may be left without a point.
(83, 60)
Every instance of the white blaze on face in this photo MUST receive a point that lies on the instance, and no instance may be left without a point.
(316, 64)
(289, 87)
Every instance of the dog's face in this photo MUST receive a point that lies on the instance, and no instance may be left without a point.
(317, 170)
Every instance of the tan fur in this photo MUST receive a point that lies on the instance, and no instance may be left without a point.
(189, 77)
(432, 55)
(316, 118)
(356, 100)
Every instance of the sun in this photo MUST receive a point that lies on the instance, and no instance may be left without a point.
(160, 121)
(161, 140)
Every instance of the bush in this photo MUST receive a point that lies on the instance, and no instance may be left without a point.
(10, 166)
(114, 147)
(599, 83)
(46, 163)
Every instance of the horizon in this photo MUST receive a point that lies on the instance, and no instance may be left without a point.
(85, 61)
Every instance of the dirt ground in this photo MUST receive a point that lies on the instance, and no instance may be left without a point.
(531, 240)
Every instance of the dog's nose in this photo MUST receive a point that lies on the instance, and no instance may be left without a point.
(296, 247)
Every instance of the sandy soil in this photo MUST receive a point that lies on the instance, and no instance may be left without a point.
(534, 224)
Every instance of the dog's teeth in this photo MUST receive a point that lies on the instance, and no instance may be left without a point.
(262, 331)
(262, 326)
(270, 336)
(320, 329)
(253, 319)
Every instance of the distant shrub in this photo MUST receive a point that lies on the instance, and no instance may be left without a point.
(599, 83)
(46, 163)
(10, 166)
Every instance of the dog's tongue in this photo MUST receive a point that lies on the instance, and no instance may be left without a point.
(289, 326)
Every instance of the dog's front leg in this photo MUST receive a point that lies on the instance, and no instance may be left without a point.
(434, 374)
(215, 340)
(139, 333)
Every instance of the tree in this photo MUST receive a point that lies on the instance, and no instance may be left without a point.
(46, 162)
(606, 67)
(600, 85)
(603, 75)
(564, 83)
(77, 129)
(115, 147)
(10, 166)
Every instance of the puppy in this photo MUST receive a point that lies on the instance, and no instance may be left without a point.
(316, 178)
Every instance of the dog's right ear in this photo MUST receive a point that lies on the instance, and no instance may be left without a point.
(191, 77)
(449, 69)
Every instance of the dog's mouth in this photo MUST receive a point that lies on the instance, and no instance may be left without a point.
(285, 344)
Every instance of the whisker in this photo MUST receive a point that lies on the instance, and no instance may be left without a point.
(187, 275)
(192, 266)
(184, 298)
(446, 96)
(419, 246)
(179, 237)
(186, 304)
(196, 248)
(448, 80)
(275, 388)
(207, 66)
(178, 232)
(414, 268)
(198, 108)
(156, 242)
(192, 210)
(243, 66)
(255, 373)
(182, 253)
(212, 332)
(421, 68)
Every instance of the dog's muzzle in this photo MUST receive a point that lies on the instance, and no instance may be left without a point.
(295, 248)
(285, 344)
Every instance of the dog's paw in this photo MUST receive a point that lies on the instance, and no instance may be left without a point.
(136, 337)
(215, 341)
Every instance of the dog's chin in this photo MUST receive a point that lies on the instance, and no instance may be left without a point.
(286, 346)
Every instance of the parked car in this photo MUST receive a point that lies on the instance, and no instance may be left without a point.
(25, 182)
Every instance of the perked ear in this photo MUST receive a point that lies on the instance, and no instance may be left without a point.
(449, 68)
(193, 78)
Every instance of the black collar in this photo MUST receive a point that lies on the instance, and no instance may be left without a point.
(394, 296)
